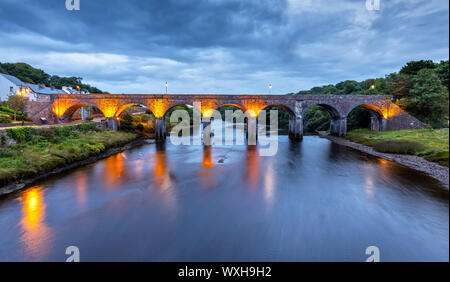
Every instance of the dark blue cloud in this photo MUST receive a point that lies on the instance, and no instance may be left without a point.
(221, 45)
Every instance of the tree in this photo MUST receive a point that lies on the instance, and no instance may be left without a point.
(26, 73)
(399, 85)
(413, 67)
(443, 73)
(349, 87)
(18, 104)
(428, 99)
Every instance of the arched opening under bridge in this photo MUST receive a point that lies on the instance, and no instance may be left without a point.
(82, 111)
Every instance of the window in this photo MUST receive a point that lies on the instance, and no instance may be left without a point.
(11, 89)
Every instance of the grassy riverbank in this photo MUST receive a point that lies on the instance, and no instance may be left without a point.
(40, 150)
(432, 145)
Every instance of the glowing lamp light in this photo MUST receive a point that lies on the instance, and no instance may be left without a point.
(23, 91)
(252, 113)
(207, 112)
(372, 86)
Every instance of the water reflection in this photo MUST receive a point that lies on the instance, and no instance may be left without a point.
(315, 201)
(207, 159)
(161, 171)
(113, 171)
(81, 187)
(205, 172)
(162, 179)
(35, 236)
(252, 167)
(269, 184)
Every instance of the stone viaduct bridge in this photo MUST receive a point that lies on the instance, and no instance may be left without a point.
(384, 113)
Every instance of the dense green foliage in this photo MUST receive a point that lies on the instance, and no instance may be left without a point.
(139, 123)
(28, 74)
(5, 118)
(8, 115)
(420, 88)
(434, 143)
(427, 99)
(40, 150)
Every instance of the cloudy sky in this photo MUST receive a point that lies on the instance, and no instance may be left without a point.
(221, 46)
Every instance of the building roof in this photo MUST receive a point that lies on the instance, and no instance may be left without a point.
(13, 79)
(43, 90)
(34, 87)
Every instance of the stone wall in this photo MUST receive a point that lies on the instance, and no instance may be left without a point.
(37, 110)
(404, 121)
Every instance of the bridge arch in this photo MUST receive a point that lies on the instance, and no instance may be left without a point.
(368, 106)
(331, 109)
(377, 116)
(337, 121)
(286, 108)
(286, 118)
(236, 104)
(173, 105)
(70, 111)
(128, 105)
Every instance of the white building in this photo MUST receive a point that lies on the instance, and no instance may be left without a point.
(8, 85)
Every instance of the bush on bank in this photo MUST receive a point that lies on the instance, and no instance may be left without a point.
(40, 150)
(431, 144)
(398, 147)
(142, 124)
(4, 118)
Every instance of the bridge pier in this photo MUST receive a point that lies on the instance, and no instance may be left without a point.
(160, 129)
(374, 122)
(113, 123)
(251, 130)
(338, 126)
(296, 128)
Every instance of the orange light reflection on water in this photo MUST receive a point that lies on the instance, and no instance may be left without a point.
(36, 233)
(205, 171)
(252, 165)
(114, 171)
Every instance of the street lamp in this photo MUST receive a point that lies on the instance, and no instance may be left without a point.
(270, 88)
(167, 85)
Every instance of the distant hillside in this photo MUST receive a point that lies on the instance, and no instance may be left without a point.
(28, 74)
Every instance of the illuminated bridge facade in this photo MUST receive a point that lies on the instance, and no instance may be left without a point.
(384, 113)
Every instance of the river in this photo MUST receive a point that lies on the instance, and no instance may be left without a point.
(313, 201)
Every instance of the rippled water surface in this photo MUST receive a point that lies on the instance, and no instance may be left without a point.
(313, 201)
